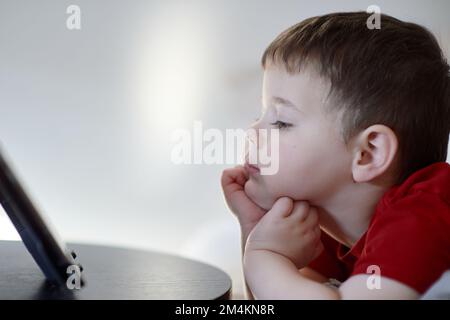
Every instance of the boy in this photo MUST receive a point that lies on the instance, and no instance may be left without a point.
(362, 194)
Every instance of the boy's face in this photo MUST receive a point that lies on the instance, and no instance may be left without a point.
(313, 159)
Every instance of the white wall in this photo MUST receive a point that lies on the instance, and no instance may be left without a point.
(86, 115)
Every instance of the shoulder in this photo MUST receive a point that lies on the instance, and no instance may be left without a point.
(409, 235)
(424, 198)
(431, 180)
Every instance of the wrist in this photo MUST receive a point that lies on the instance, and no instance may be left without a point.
(245, 230)
(258, 264)
(256, 252)
(247, 225)
(251, 259)
(253, 255)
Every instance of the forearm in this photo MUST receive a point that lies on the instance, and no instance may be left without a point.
(244, 235)
(270, 275)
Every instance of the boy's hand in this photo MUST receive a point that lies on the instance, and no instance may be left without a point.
(247, 212)
(290, 229)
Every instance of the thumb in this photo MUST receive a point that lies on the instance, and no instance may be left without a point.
(282, 207)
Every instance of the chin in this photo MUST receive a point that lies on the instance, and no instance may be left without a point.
(264, 203)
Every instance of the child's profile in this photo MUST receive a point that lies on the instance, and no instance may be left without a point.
(362, 187)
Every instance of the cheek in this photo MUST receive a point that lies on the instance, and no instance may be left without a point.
(289, 179)
(315, 167)
(310, 166)
(264, 190)
(296, 162)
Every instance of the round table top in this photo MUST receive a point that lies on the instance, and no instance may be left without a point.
(113, 273)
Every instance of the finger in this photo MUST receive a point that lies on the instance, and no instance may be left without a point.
(242, 175)
(233, 175)
(312, 219)
(300, 210)
(244, 171)
(282, 207)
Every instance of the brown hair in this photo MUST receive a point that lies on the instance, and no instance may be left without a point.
(396, 76)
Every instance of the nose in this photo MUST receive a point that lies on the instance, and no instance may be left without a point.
(254, 130)
(256, 142)
(257, 124)
(251, 144)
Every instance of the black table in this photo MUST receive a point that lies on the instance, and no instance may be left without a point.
(113, 273)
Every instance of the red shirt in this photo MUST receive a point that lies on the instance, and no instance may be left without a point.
(408, 237)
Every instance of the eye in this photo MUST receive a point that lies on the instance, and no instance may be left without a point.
(281, 124)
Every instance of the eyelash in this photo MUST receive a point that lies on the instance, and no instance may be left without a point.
(281, 125)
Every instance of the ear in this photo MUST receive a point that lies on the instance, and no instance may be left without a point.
(373, 153)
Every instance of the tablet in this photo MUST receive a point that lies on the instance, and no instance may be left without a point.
(50, 253)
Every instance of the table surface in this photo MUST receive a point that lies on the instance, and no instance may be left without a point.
(113, 273)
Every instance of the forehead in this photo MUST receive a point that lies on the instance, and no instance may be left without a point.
(304, 88)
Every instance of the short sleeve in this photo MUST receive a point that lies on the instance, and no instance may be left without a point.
(409, 241)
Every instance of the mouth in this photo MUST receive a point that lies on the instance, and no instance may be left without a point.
(252, 169)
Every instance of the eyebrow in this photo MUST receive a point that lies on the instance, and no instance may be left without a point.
(279, 100)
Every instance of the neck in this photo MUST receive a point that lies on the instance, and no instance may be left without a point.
(346, 215)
